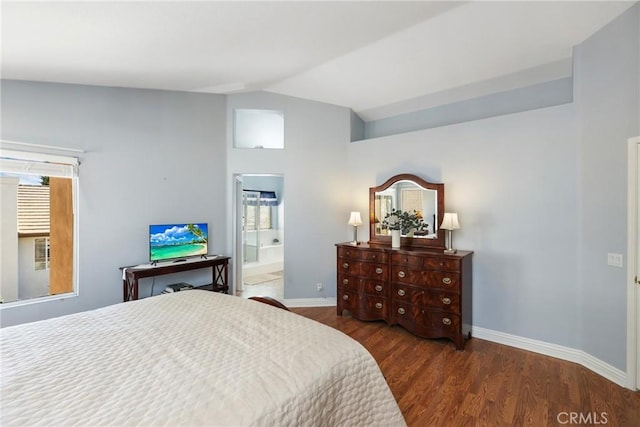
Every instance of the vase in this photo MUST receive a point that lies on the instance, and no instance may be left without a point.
(395, 238)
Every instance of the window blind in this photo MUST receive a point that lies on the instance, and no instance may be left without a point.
(267, 198)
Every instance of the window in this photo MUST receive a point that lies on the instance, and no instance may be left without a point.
(258, 206)
(39, 225)
(258, 128)
(265, 217)
(412, 200)
(41, 253)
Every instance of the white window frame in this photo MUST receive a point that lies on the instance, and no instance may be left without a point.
(45, 160)
(47, 253)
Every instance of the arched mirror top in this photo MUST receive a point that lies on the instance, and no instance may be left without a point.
(410, 204)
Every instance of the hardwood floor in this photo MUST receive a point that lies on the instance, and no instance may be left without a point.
(487, 384)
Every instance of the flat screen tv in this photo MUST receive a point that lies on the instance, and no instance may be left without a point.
(177, 241)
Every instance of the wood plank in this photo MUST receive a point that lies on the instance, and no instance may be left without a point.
(61, 236)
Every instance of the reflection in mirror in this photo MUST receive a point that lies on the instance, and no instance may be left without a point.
(409, 204)
(418, 204)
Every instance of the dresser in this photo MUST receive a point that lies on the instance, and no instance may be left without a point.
(423, 290)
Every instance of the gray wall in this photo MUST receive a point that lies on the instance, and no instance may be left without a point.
(314, 166)
(150, 157)
(546, 94)
(607, 74)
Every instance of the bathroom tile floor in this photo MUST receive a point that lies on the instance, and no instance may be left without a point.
(272, 288)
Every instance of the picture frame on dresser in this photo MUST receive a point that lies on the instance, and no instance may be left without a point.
(416, 286)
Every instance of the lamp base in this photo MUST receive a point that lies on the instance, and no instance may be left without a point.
(450, 251)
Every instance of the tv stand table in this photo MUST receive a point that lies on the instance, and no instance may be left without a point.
(219, 274)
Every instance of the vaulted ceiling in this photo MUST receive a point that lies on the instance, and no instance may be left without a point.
(379, 58)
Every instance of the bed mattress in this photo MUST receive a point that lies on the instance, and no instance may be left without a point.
(189, 358)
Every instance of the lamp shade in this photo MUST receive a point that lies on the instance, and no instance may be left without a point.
(355, 219)
(450, 221)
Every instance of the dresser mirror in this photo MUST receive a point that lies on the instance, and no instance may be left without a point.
(421, 204)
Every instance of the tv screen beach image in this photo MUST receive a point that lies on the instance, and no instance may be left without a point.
(170, 241)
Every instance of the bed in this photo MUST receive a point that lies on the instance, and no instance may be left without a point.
(189, 358)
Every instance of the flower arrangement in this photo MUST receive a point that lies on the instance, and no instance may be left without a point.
(405, 221)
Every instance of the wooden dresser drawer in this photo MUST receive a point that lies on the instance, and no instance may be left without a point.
(440, 320)
(375, 287)
(348, 282)
(408, 260)
(373, 308)
(375, 256)
(357, 254)
(426, 278)
(428, 262)
(443, 300)
(429, 323)
(426, 298)
(375, 271)
(438, 263)
(348, 300)
(366, 269)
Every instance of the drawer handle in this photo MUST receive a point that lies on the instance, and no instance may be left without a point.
(373, 257)
(401, 310)
(348, 252)
(379, 270)
(401, 274)
(401, 292)
(446, 321)
(378, 305)
(345, 297)
(446, 300)
(345, 281)
(446, 280)
(378, 288)
(406, 260)
(345, 265)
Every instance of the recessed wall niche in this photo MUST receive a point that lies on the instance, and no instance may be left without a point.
(254, 128)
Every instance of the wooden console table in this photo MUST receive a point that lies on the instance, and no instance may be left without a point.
(219, 274)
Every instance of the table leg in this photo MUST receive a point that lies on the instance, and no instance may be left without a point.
(129, 288)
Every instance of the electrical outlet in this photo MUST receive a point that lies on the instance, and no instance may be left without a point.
(614, 260)
(319, 286)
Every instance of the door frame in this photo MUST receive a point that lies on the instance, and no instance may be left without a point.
(633, 264)
(237, 223)
(238, 253)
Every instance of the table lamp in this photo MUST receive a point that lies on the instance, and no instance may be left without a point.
(355, 220)
(449, 223)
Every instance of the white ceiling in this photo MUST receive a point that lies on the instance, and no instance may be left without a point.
(377, 57)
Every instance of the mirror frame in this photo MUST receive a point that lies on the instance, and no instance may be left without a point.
(438, 242)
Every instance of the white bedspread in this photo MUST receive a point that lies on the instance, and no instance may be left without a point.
(189, 358)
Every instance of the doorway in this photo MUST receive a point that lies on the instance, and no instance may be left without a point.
(260, 235)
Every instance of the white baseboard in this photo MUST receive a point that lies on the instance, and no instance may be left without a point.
(311, 302)
(565, 353)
